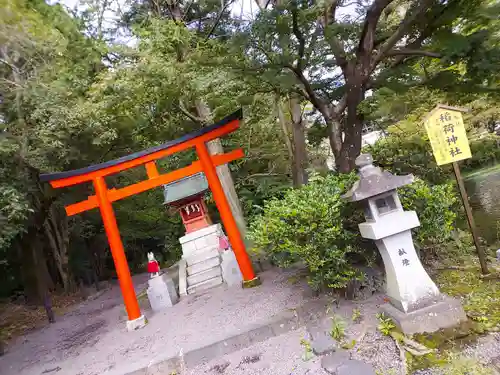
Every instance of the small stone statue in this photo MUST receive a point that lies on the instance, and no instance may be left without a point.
(153, 266)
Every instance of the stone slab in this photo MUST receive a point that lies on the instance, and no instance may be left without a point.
(205, 275)
(203, 266)
(389, 225)
(444, 313)
(333, 361)
(495, 362)
(230, 270)
(321, 341)
(201, 256)
(354, 367)
(212, 229)
(207, 284)
(182, 278)
(162, 293)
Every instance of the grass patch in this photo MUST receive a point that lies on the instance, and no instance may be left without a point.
(480, 297)
(481, 301)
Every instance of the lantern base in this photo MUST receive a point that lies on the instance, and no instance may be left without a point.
(444, 312)
(140, 322)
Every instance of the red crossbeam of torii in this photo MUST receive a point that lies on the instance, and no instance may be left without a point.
(103, 197)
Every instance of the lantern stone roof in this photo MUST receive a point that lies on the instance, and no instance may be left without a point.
(373, 180)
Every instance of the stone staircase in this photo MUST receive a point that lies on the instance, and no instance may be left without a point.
(201, 263)
(203, 271)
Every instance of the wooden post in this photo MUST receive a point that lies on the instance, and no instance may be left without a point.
(117, 251)
(470, 219)
(226, 215)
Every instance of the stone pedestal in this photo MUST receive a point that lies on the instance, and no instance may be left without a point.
(204, 265)
(200, 241)
(201, 260)
(231, 273)
(138, 323)
(409, 287)
(441, 312)
(162, 292)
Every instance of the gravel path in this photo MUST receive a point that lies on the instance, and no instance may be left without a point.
(92, 340)
(281, 355)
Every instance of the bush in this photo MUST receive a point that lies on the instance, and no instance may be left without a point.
(404, 155)
(436, 209)
(308, 225)
(314, 225)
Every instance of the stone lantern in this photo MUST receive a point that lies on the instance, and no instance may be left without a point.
(416, 305)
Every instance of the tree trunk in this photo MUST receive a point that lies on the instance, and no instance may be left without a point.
(334, 135)
(285, 129)
(300, 159)
(351, 145)
(57, 238)
(226, 180)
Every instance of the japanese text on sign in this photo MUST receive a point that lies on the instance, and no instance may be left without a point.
(447, 135)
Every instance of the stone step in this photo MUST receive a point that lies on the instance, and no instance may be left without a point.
(205, 275)
(203, 266)
(201, 256)
(207, 284)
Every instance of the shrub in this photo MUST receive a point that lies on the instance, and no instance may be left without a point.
(410, 154)
(308, 225)
(436, 209)
(314, 225)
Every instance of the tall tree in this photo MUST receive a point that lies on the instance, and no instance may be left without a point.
(334, 52)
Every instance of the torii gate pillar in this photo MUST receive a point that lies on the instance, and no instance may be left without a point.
(104, 197)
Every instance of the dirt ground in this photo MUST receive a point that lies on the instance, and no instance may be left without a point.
(91, 338)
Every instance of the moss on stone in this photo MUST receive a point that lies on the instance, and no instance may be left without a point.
(480, 297)
(481, 301)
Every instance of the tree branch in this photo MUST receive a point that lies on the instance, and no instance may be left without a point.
(367, 38)
(403, 28)
(189, 114)
(300, 37)
(335, 44)
(340, 106)
(309, 91)
(217, 20)
(413, 52)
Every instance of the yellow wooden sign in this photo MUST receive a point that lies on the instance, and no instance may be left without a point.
(446, 131)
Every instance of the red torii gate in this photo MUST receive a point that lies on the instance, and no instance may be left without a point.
(104, 197)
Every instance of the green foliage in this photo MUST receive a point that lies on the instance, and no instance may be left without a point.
(308, 352)
(307, 225)
(385, 324)
(338, 328)
(436, 209)
(401, 153)
(404, 154)
(323, 233)
(356, 315)
(462, 365)
(480, 297)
